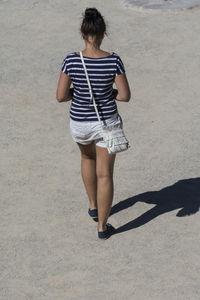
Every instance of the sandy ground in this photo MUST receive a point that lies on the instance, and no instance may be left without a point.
(49, 247)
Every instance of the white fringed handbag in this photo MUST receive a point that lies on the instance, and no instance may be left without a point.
(113, 135)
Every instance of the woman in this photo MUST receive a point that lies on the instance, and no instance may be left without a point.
(104, 69)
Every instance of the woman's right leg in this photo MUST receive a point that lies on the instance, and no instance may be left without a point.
(105, 189)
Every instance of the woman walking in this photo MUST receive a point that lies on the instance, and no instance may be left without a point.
(104, 69)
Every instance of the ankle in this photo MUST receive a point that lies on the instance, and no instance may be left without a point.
(92, 207)
(102, 228)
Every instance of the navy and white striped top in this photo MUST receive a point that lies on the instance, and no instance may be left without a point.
(101, 72)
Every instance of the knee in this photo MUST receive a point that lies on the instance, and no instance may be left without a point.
(104, 175)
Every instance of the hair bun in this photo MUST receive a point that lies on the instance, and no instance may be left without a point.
(93, 24)
(92, 13)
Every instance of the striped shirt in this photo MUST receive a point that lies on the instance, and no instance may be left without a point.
(101, 72)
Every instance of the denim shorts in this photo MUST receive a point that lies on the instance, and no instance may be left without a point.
(86, 132)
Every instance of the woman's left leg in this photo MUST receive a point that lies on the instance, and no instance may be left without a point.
(88, 172)
(105, 189)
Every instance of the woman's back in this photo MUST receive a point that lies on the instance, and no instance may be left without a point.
(102, 72)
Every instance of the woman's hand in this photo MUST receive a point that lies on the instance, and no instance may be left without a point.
(115, 93)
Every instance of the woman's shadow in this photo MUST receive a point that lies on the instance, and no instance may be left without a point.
(183, 195)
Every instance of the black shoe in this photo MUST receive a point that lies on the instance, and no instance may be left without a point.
(104, 235)
(93, 214)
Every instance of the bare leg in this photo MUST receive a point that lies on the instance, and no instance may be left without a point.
(88, 171)
(105, 190)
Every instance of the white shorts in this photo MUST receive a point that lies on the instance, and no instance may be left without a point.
(87, 132)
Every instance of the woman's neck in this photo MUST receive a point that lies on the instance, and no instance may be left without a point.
(89, 47)
(92, 50)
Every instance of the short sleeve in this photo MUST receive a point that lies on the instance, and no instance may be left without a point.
(120, 66)
(65, 65)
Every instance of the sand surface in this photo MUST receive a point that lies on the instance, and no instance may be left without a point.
(49, 247)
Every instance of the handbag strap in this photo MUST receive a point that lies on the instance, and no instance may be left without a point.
(90, 88)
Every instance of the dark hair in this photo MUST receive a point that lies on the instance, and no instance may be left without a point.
(93, 24)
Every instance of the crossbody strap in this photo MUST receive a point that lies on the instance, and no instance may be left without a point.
(90, 88)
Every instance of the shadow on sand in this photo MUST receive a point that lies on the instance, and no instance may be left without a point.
(183, 195)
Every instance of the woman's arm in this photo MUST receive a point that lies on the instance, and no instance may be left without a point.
(123, 91)
(64, 92)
